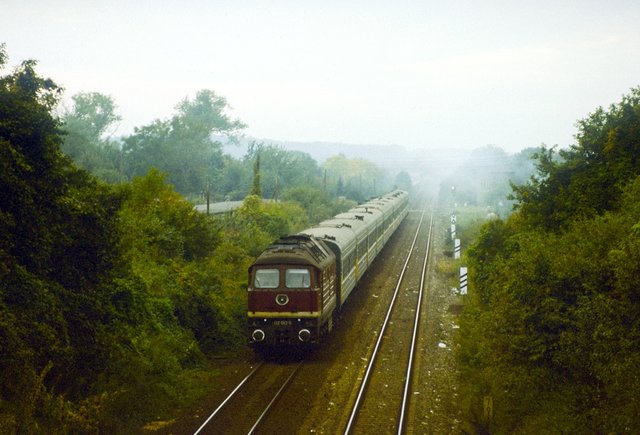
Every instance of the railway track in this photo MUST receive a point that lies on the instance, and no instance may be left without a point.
(274, 393)
(382, 400)
(252, 399)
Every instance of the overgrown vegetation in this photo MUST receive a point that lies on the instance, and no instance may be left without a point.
(113, 296)
(551, 328)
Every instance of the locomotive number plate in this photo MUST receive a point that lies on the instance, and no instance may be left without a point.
(282, 322)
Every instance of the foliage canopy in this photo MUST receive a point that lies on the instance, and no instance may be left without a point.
(551, 329)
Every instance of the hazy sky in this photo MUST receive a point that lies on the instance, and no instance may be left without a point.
(414, 73)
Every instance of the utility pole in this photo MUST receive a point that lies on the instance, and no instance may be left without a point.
(207, 193)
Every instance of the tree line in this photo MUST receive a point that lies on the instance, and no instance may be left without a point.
(550, 333)
(114, 291)
(188, 148)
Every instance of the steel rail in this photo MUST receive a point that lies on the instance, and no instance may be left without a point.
(229, 397)
(275, 398)
(407, 384)
(365, 380)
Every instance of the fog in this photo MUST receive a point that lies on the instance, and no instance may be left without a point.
(424, 76)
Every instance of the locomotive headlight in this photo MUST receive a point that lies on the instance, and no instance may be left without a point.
(304, 335)
(258, 335)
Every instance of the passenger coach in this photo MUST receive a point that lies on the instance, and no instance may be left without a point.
(299, 283)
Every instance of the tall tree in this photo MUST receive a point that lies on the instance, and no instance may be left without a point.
(588, 178)
(93, 114)
(89, 124)
(403, 181)
(255, 188)
(183, 146)
(281, 169)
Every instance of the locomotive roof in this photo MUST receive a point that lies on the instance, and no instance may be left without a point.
(296, 249)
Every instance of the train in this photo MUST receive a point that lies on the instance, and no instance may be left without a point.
(298, 285)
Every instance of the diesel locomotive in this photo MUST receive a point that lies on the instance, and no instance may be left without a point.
(299, 283)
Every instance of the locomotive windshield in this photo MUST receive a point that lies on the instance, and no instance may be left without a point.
(267, 278)
(293, 278)
(297, 278)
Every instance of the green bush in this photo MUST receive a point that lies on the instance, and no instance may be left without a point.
(551, 326)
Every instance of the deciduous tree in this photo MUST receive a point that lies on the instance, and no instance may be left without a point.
(183, 147)
(88, 126)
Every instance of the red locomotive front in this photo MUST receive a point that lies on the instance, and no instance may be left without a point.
(291, 294)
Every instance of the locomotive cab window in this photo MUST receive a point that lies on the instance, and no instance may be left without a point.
(267, 278)
(297, 278)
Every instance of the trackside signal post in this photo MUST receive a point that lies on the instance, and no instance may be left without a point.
(463, 280)
(453, 226)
